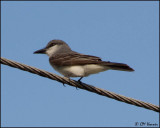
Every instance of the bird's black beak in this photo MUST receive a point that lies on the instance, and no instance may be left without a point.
(41, 51)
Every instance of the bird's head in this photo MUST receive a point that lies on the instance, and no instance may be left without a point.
(53, 47)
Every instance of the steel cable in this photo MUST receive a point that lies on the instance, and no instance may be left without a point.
(84, 86)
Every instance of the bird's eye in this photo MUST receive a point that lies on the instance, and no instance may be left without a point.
(50, 45)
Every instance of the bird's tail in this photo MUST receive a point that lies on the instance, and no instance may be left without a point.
(118, 66)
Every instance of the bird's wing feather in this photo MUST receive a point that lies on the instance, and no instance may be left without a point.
(67, 59)
(72, 59)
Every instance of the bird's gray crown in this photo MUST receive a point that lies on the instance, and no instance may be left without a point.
(55, 42)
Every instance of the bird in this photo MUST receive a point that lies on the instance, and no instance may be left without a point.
(70, 63)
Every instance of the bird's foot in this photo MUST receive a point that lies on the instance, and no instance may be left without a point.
(80, 80)
(64, 85)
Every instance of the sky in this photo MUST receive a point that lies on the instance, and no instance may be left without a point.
(123, 32)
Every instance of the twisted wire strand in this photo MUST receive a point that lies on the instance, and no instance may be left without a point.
(84, 86)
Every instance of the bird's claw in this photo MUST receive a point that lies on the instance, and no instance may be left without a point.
(64, 84)
(80, 80)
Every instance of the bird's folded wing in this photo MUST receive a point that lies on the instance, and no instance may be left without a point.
(67, 59)
(73, 59)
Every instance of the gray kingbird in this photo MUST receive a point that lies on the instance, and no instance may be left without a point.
(73, 64)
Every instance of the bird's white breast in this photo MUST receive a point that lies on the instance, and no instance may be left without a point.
(80, 71)
(71, 71)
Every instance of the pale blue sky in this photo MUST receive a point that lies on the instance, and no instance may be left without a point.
(124, 32)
